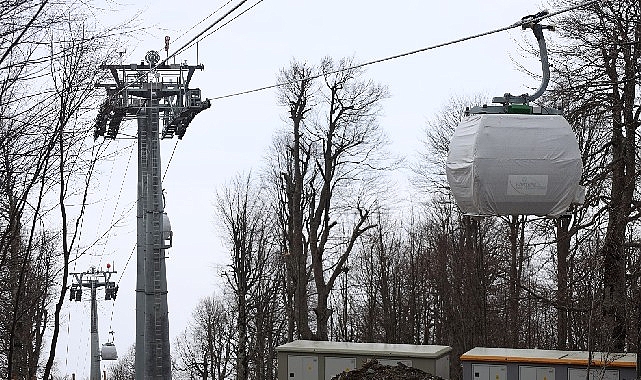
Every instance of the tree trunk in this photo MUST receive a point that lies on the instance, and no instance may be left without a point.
(243, 320)
(296, 99)
(562, 297)
(298, 251)
(514, 280)
(621, 61)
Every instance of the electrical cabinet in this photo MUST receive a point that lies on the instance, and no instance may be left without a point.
(317, 360)
(595, 374)
(336, 365)
(489, 372)
(485, 363)
(302, 367)
(536, 373)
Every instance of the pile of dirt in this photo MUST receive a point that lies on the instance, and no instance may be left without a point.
(373, 370)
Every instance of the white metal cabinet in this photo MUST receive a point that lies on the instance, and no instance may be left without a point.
(536, 373)
(336, 365)
(302, 367)
(489, 372)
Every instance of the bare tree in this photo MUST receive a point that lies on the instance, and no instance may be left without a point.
(291, 167)
(74, 76)
(246, 221)
(29, 151)
(205, 348)
(430, 175)
(124, 368)
(22, 173)
(334, 146)
(600, 53)
(49, 57)
(429, 168)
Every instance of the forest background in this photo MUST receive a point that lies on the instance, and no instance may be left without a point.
(332, 235)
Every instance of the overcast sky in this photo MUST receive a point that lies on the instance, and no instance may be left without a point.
(234, 135)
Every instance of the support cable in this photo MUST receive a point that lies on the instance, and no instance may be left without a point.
(68, 335)
(203, 20)
(169, 162)
(223, 25)
(122, 274)
(95, 154)
(196, 39)
(518, 24)
(102, 209)
(122, 185)
(188, 44)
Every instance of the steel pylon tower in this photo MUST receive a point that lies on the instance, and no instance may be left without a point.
(147, 92)
(93, 279)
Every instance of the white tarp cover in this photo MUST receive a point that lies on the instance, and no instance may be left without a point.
(507, 164)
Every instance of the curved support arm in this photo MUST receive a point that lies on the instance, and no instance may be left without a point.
(545, 65)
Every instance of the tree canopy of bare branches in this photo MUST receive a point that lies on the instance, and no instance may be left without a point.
(326, 170)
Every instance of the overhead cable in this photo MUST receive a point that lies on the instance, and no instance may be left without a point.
(203, 20)
(188, 44)
(223, 25)
(518, 24)
(170, 158)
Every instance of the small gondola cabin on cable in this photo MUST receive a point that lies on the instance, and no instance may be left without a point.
(108, 351)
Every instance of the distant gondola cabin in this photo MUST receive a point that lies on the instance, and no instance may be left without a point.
(108, 351)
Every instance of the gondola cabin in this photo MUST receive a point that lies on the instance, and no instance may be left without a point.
(514, 164)
(512, 158)
(108, 351)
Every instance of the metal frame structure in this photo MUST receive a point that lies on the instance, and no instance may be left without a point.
(149, 92)
(92, 280)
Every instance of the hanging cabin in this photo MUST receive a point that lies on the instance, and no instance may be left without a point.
(108, 351)
(514, 164)
(511, 158)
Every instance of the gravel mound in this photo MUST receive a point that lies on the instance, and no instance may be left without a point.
(372, 370)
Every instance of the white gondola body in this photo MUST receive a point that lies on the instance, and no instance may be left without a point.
(512, 164)
(108, 351)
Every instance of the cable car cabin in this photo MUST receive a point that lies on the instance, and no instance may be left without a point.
(108, 351)
(513, 158)
(514, 164)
